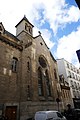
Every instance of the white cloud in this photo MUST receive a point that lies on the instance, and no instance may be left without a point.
(73, 14)
(46, 36)
(68, 45)
(56, 12)
(60, 15)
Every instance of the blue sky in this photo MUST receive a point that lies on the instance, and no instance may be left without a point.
(58, 21)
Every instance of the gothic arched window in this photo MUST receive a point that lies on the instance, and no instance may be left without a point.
(28, 64)
(14, 64)
(28, 91)
(42, 61)
(40, 83)
(47, 83)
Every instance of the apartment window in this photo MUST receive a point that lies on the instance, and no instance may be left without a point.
(77, 71)
(74, 93)
(76, 77)
(75, 85)
(71, 67)
(72, 75)
(61, 78)
(40, 82)
(14, 64)
(78, 86)
(72, 85)
(74, 69)
(67, 65)
(69, 74)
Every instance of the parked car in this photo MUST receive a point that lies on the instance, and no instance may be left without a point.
(77, 114)
(49, 115)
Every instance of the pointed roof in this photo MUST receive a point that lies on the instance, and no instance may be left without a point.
(2, 29)
(41, 38)
(11, 35)
(45, 45)
(24, 18)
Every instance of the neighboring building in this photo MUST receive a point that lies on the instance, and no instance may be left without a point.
(78, 54)
(72, 76)
(28, 73)
(65, 92)
(78, 3)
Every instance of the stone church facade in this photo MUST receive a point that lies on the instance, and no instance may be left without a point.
(28, 73)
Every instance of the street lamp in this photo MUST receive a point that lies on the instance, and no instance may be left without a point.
(58, 100)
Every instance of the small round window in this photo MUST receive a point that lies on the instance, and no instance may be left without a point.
(42, 62)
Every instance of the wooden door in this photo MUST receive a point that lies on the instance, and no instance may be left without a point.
(11, 112)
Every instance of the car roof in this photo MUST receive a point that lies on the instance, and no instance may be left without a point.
(46, 111)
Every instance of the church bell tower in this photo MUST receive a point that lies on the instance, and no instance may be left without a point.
(24, 25)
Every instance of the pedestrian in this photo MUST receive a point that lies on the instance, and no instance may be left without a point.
(70, 114)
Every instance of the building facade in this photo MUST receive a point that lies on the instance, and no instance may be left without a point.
(28, 73)
(65, 92)
(72, 76)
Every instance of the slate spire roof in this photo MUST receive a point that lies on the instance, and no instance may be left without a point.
(24, 18)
